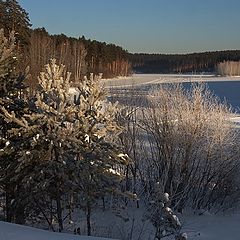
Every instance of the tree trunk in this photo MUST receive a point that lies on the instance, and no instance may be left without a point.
(19, 214)
(104, 204)
(8, 202)
(59, 214)
(88, 218)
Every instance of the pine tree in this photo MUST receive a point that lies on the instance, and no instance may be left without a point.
(11, 89)
(163, 218)
(7, 61)
(98, 158)
(64, 146)
(15, 18)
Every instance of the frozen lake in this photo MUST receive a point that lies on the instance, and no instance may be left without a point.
(228, 91)
(226, 88)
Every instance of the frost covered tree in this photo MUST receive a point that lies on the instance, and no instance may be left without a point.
(98, 157)
(67, 150)
(185, 139)
(7, 64)
(12, 92)
(162, 216)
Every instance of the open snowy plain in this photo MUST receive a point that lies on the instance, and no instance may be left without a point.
(10, 231)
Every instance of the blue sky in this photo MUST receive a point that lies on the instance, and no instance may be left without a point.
(151, 26)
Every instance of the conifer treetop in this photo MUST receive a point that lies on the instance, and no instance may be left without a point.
(52, 80)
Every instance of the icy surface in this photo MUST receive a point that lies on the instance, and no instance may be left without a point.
(147, 79)
(226, 88)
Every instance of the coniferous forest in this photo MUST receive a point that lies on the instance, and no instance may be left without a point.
(181, 63)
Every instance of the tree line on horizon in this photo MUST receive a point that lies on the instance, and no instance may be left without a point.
(228, 68)
(181, 63)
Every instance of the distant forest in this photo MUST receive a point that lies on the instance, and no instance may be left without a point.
(181, 63)
(80, 56)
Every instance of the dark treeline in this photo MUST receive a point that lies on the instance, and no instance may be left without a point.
(181, 63)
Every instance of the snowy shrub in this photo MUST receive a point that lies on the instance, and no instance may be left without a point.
(185, 140)
(194, 145)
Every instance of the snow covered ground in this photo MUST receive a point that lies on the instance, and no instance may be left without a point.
(213, 227)
(10, 231)
(204, 227)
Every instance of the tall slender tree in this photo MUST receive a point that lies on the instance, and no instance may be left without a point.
(15, 18)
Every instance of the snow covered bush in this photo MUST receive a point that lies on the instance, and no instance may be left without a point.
(185, 140)
(194, 145)
(162, 216)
